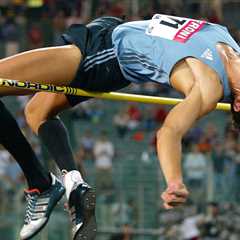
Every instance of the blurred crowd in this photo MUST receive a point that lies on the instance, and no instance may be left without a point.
(211, 159)
(211, 153)
(28, 24)
(215, 222)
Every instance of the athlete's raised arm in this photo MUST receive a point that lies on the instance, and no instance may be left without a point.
(203, 90)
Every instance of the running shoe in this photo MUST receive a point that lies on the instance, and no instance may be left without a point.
(81, 207)
(39, 208)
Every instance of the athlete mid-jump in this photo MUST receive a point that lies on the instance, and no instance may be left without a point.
(197, 58)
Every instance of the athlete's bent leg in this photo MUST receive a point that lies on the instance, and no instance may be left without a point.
(40, 113)
(56, 65)
(41, 185)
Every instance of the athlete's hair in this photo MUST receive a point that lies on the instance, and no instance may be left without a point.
(235, 116)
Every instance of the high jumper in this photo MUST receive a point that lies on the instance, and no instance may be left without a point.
(197, 58)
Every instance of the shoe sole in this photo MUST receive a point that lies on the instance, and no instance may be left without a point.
(89, 229)
(39, 230)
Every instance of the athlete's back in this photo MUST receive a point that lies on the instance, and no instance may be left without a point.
(148, 50)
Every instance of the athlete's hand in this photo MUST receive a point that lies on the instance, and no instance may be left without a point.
(175, 195)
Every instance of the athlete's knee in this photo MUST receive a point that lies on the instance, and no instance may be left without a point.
(33, 116)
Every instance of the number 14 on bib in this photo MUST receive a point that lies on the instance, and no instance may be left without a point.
(174, 28)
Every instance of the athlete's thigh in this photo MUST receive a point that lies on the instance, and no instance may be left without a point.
(55, 65)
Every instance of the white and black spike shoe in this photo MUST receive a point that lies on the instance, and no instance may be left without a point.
(39, 208)
(81, 206)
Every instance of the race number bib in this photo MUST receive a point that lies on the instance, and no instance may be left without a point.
(174, 28)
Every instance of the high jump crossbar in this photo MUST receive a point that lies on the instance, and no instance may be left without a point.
(118, 96)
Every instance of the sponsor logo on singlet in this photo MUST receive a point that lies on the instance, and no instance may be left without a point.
(174, 28)
(207, 54)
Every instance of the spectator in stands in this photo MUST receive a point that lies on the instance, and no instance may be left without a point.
(148, 118)
(104, 152)
(59, 25)
(212, 9)
(82, 111)
(125, 235)
(35, 37)
(208, 138)
(211, 132)
(125, 212)
(204, 145)
(218, 159)
(189, 228)
(160, 114)
(74, 18)
(212, 225)
(231, 135)
(10, 34)
(135, 116)
(117, 9)
(89, 110)
(192, 137)
(230, 165)
(195, 166)
(120, 120)
(175, 6)
(96, 111)
(237, 176)
(87, 144)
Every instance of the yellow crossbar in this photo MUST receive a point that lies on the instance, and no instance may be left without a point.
(104, 95)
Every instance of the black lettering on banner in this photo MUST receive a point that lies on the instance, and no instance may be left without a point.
(21, 85)
(66, 90)
(43, 87)
(69, 90)
(59, 89)
(55, 89)
(8, 83)
(173, 25)
(32, 85)
(11, 83)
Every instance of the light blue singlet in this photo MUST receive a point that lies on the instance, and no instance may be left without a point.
(148, 50)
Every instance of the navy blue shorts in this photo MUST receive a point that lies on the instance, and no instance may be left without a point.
(99, 69)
